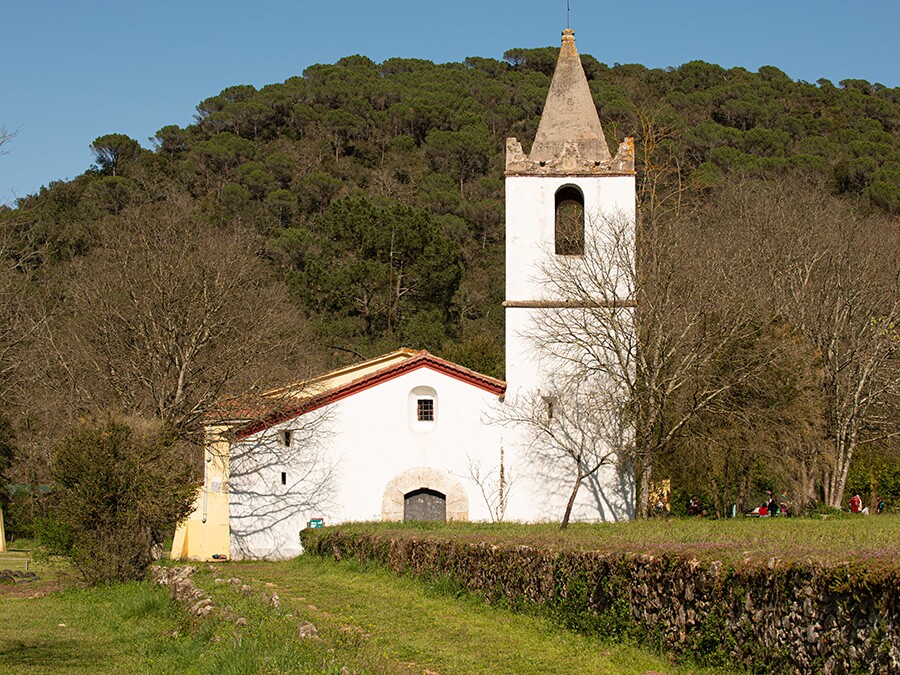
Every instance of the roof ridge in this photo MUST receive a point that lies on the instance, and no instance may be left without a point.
(404, 351)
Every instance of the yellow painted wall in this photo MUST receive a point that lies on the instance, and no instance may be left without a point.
(194, 538)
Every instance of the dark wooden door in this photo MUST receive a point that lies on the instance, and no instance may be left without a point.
(425, 504)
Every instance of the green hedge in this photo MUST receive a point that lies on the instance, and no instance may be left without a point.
(767, 617)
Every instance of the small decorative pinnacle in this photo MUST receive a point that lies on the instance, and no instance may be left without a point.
(568, 35)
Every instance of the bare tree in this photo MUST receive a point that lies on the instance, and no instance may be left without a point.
(574, 426)
(5, 137)
(168, 313)
(21, 318)
(652, 327)
(834, 274)
(21, 314)
(762, 429)
(494, 484)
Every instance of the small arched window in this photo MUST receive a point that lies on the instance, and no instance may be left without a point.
(569, 232)
(423, 409)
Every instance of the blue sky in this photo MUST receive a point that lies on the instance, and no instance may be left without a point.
(73, 71)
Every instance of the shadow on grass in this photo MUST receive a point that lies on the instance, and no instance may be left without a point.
(59, 655)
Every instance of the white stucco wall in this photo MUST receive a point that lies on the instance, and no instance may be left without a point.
(345, 456)
(530, 371)
(530, 223)
(359, 446)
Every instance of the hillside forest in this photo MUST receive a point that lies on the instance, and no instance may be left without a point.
(358, 207)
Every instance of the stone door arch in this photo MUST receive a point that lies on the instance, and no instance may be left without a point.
(427, 479)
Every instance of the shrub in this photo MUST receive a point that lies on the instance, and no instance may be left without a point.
(824, 511)
(119, 485)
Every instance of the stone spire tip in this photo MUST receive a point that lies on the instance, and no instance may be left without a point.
(569, 138)
(569, 113)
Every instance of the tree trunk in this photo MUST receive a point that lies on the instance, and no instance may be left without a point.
(838, 482)
(827, 488)
(571, 503)
(644, 496)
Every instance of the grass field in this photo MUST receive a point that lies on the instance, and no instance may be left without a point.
(124, 628)
(397, 624)
(52, 626)
(829, 540)
(368, 620)
(372, 621)
(21, 557)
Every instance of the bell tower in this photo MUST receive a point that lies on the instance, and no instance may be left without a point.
(558, 198)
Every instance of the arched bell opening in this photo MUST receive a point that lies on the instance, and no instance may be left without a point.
(569, 229)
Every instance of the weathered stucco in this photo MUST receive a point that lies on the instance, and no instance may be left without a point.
(569, 114)
(205, 532)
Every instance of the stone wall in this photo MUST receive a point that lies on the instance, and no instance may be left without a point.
(770, 617)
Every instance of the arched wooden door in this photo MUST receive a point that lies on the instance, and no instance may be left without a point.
(425, 504)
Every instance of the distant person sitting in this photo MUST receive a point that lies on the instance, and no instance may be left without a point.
(660, 510)
(880, 507)
(695, 508)
(772, 506)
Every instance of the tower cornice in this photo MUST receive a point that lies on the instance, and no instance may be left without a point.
(569, 162)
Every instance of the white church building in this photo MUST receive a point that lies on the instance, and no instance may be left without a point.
(410, 436)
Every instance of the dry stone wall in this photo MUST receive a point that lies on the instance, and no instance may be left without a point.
(773, 618)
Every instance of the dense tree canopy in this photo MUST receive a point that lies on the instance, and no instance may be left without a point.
(368, 199)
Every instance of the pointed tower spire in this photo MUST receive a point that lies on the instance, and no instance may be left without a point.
(569, 113)
(569, 138)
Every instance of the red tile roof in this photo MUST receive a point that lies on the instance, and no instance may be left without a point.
(265, 411)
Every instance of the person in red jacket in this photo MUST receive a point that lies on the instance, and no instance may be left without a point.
(855, 503)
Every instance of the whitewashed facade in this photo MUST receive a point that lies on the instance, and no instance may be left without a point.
(357, 458)
(407, 431)
(569, 161)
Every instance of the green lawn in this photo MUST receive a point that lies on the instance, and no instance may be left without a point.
(399, 624)
(104, 630)
(373, 621)
(369, 620)
(833, 539)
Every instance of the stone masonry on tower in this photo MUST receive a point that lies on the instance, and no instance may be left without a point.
(559, 197)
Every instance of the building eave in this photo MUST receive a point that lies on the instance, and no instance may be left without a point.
(422, 360)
